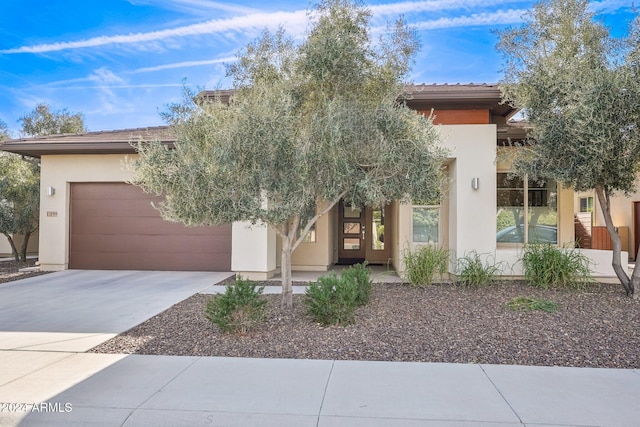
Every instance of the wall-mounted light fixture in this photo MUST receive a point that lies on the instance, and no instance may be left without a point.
(475, 183)
(51, 191)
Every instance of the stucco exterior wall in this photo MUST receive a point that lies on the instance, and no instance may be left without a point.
(318, 255)
(467, 217)
(58, 171)
(253, 250)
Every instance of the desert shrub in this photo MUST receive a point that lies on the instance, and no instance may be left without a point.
(472, 271)
(361, 276)
(239, 309)
(332, 300)
(529, 304)
(546, 266)
(422, 264)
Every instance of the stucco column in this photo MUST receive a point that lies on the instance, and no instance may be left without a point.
(253, 250)
(472, 211)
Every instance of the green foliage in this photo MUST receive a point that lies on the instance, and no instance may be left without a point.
(360, 275)
(471, 270)
(4, 131)
(42, 121)
(530, 304)
(579, 87)
(332, 300)
(424, 263)
(546, 266)
(239, 309)
(19, 200)
(306, 125)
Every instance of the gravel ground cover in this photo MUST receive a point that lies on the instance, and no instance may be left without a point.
(9, 270)
(442, 323)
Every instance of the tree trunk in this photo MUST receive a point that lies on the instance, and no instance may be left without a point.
(616, 263)
(14, 251)
(635, 283)
(285, 272)
(23, 248)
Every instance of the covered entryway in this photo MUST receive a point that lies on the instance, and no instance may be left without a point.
(113, 226)
(361, 235)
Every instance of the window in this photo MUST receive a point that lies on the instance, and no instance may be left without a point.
(425, 224)
(520, 201)
(586, 204)
(311, 235)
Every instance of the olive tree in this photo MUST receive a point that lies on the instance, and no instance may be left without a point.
(19, 200)
(20, 176)
(4, 131)
(43, 121)
(580, 90)
(306, 125)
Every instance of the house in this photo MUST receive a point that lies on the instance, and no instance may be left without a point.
(91, 218)
(5, 247)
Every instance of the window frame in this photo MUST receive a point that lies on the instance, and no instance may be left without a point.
(526, 213)
(434, 207)
(589, 204)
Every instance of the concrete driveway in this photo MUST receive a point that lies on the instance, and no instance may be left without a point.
(47, 322)
(75, 310)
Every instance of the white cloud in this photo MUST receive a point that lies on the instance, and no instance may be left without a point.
(194, 6)
(408, 7)
(294, 21)
(183, 65)
(500, 17)
(608, 6)
(105, 76)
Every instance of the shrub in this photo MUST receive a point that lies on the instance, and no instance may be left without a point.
(529, 304)
(547, 266)
(332, 300)
(422, 265)
(239, 309)
(360, 275)
(471, 271)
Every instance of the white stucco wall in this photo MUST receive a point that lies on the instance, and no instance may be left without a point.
(467, 216)
(253, 250)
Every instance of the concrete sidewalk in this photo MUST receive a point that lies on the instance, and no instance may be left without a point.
(115, 390)
(46, 378)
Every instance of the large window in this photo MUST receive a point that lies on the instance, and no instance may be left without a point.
(527, 210)
(425, 224)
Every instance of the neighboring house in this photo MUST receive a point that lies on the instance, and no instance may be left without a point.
(591, 228)
(92, 218)
(5, 247)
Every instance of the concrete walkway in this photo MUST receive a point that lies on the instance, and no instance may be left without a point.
(47, 379)
(79, 389)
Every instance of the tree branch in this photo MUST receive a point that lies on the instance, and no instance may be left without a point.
(316, 217)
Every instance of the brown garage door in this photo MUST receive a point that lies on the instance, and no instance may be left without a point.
(114, 227)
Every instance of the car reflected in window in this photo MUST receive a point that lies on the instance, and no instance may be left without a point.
(537, 234)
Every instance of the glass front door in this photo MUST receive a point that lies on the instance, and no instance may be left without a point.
(362, 236)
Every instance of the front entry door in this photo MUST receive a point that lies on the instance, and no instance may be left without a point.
(361, 235)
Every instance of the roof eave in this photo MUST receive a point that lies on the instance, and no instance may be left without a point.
(36, 149)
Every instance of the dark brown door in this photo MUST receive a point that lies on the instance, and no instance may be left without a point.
(351, 234)
(636, 230)
(113, 226)
(362, 235)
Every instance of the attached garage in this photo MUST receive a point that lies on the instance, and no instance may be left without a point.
(113, 226)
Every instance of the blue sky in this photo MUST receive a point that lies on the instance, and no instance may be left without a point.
(119, 62)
